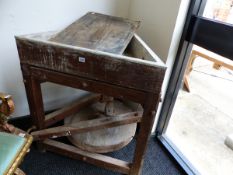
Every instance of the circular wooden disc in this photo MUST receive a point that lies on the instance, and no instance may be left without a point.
(104, 140)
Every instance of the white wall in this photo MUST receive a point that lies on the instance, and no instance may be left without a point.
(27, 16)
(161, 28)
(158, 22)
(178, 29)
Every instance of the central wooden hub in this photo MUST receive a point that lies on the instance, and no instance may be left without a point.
(106, 139)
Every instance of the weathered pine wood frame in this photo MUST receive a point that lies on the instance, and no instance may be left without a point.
(137, 77)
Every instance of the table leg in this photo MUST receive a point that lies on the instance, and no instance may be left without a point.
(189, 68)
(35, 101)
(146, 125)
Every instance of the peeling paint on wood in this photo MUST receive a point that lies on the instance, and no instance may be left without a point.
(99, 65)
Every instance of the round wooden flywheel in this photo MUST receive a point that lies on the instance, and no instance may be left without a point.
(106, 139)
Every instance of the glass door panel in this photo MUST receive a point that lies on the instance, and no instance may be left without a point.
(200, 126)
(202, 118)
(219, 10)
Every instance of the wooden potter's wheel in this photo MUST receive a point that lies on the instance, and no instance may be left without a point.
(104, 140)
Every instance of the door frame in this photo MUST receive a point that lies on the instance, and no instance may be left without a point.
(194, 32)
(196, 7)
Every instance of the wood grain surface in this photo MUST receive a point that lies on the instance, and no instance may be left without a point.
(87, 126)
(99, 32)
(106, 68)
(70, 109)
(100, 54)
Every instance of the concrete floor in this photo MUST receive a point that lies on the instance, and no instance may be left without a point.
(203, 118)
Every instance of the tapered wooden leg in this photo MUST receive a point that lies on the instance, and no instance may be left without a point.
(146, 125)
(190, 63)
(189, 68)
(35, 101)
(186, 83)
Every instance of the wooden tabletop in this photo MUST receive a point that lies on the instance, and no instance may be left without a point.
(99, 32)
